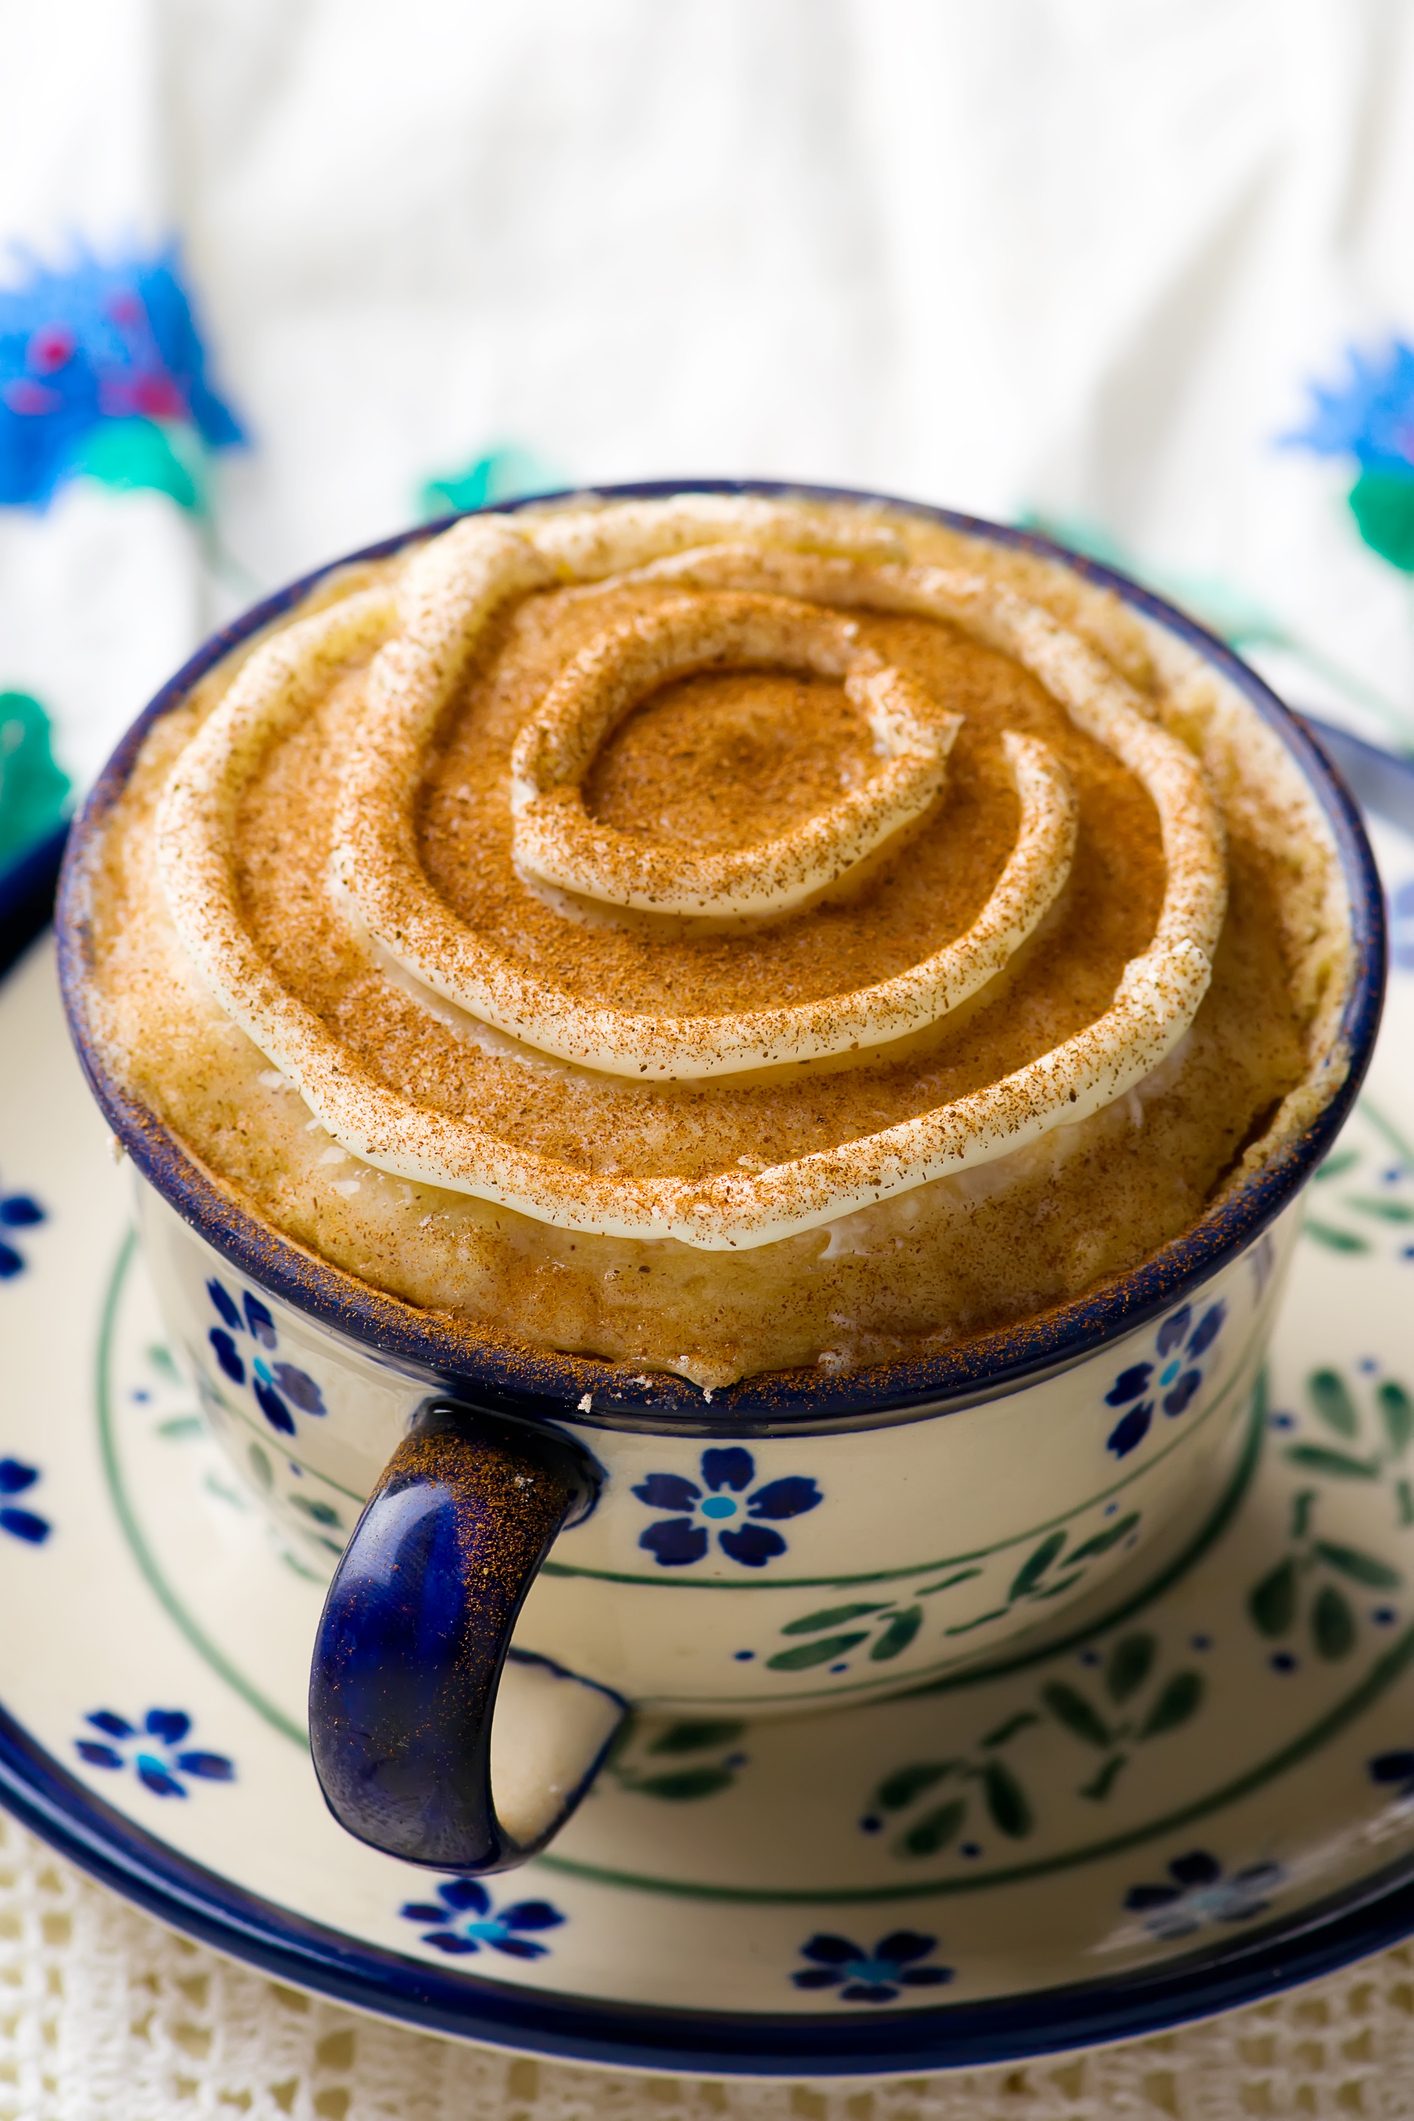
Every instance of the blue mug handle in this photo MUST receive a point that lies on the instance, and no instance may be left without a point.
(414, 1636)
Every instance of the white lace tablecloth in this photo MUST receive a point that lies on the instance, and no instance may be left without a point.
(107, 2016)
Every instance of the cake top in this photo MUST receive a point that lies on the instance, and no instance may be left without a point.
(710, 868)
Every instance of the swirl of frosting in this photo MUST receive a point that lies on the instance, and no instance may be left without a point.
(724, 586)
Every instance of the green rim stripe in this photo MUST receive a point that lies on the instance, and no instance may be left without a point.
(945, 1677)
(1241, 1379)
(1380, 1676)
(156, 1582)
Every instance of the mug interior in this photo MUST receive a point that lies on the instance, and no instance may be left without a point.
(549, 1385)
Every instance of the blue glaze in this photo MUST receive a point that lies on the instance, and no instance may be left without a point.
(723, 1494)
(156, 1750)
(16, 1518)
(1180, 1346)
(903, 1959)
(416, 1629)
(1198, 1891)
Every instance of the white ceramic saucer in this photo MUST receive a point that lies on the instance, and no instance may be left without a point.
(1197, 1796)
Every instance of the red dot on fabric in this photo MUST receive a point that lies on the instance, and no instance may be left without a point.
(124, 306)
(29, 398)
(158, 398)
(49, 349)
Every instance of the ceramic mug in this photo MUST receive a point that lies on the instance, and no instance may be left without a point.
(543, 1543)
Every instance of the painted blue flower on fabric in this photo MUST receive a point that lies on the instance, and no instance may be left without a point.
(723, 1504)
(1169, 1381)
(874, 1976)
(1368, 416)
(157, 1752)
(1401, 925)
(277, 1385)
(1198, 1891)
(1395, 1773)
(16, 1478)
(463, 1919)
(103, 372)
(18, 1211)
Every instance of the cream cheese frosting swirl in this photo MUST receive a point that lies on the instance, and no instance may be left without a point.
(689, 589)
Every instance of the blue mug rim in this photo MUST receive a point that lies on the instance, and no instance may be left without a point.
(545, 1384)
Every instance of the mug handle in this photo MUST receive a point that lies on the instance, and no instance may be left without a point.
(416, 1630)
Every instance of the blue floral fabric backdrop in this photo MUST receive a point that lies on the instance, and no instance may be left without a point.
(274, 282)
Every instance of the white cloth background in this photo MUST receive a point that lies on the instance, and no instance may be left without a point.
(1070, 254)
(1075, 255)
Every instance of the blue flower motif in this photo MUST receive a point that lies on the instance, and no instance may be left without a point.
(100, 366)
(276, 1385)
(1401, 925)
(871, 1976)
(1197, 1891)
(1396, 1772)
(1369, 416)
(719, 1505)
(18, 1211)
(463, 1919)
(16, 1478)
(1171, 1378)
(158, 1752)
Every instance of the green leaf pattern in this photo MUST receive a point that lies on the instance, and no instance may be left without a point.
(1309, 1590)
(885, 1628)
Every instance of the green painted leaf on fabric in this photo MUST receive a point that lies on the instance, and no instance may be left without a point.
(33, 786)
(1340, 1160)
(1332, 1401)
(502, 474)
(1382, 503)
(696, 1737)
(129, 455)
